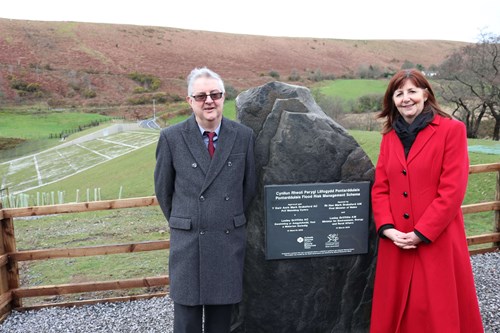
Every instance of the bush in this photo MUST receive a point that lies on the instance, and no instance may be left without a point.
(231, 92)
(407, 65)
(158, 97)
(370, 72)
(274, 74)
(55, 103)
(33, 87)
(147, 81)
(294, 76)
(368, 103)
(332, 106)
(317, 76)
(89, 93)
(139, 90)
(21, 85)
(140, 100)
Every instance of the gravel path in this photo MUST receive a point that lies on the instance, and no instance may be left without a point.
(155, 315)
(486, 269)
(151, 316)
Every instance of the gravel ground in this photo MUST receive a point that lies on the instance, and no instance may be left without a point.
(155, 315)
(142, 316)
(486, 269)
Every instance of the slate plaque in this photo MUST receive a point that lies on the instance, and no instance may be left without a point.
(315, 220)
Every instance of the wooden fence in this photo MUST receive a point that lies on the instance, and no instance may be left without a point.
(493, 237)
(11, 294)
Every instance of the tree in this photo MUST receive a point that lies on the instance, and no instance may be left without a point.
(407, 65)
(370, 72)
(332, 106)
(470, 79)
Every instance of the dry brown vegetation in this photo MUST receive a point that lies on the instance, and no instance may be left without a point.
(70, 63)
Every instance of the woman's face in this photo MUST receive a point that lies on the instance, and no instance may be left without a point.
(409, 100)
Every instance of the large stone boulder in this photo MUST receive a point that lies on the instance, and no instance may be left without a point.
(297, 143)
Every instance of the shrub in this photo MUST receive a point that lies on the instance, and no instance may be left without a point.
(231, 92)
(274, 74)
(33, 87)
(368, 103)
(21, 85)
(89, 93)
(91, 71)
(158, 97)
(294, 76)
(139, 100)
(139, 90)
(55, 103)
(407, 65)
(25, 89)
(317, 76)
(370, 72)
(147, 81)
(332, 106)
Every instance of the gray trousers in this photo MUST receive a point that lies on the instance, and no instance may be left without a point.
(202, 318)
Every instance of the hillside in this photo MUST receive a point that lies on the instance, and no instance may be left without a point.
(71, 63)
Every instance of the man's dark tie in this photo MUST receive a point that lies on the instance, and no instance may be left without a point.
(211, 147)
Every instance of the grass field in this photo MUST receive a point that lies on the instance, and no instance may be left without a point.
(51, 166)
(36, 125)
(350, 90)
(26, 131)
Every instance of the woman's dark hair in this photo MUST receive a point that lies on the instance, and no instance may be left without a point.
(390, 111)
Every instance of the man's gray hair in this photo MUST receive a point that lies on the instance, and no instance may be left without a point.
(203, 72)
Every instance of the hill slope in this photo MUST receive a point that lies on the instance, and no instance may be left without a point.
(70, 63)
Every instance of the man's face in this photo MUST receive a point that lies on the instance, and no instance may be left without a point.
(208, 113)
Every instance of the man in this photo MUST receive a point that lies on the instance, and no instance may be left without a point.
(204, 199)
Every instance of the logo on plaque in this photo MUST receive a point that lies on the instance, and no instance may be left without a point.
(333, 240)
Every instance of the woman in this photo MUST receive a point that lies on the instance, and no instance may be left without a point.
(424, 280)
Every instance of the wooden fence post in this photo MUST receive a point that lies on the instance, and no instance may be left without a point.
(497, 212)
(9, 272)
(5, 295)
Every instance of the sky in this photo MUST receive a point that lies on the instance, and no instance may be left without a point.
(346, 19)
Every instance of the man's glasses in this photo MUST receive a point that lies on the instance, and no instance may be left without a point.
(203, 97)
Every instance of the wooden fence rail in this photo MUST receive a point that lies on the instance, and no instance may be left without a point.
(11, 294)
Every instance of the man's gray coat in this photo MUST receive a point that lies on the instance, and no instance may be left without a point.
(204, 201)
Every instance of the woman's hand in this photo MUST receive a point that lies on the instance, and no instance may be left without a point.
(402, 240)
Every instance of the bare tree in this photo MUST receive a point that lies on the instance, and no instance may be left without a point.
(470, 79)
(332, 106)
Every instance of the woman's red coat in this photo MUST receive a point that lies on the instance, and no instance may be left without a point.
(430, 288)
